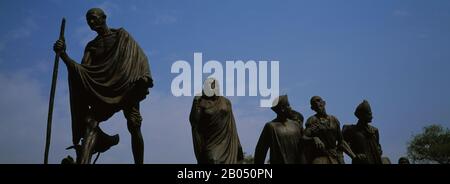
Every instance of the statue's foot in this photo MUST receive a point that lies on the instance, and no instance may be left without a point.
(105, 142)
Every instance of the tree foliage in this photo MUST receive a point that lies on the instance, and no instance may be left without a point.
(430, 146)
(248, 159)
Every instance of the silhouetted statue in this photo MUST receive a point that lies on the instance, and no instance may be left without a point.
(214, 132)
(323, 131)
(403, 160)
(282, 136)
(363, 138)
(114, 75)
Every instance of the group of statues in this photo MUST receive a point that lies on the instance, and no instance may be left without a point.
(321, 141)
(114, 75)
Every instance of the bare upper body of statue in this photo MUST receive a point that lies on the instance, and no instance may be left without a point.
(324, 132)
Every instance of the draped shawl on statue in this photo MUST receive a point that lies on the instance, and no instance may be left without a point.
(104, 86)
(214, 132)
(283, 140)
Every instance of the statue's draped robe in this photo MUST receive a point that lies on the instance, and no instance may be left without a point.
(284, 141)
(101, 86)
(214, 132)
(363, 140)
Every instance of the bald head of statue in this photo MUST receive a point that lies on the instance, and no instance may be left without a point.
(96, 19)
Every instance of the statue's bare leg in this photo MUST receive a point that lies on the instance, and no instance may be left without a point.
(134, 121)
(137, 144)
(89, 140)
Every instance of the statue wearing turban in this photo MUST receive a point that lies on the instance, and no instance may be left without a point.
(363, 138)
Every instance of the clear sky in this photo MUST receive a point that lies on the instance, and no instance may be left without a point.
(395, 54)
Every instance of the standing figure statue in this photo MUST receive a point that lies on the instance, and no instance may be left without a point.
(214, 132)
(282, 136)
(363, 138)
(114, 75)
(323, 131)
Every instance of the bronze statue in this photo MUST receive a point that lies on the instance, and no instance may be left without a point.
(403, 160)
(323, 131)
(214, 132)
(282, 136)
(114, 75)
(363, 138)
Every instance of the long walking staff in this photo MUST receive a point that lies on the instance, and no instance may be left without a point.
(52, 95)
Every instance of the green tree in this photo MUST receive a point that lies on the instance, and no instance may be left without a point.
(248, 159)
(430, 146)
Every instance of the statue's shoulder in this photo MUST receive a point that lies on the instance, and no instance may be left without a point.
(348, 128)
(311, 120)
(273, 121)
(92, 43)
(333, 118)
(119, 30)
(270, 125)
(348, 132)
(197, 98)
(227, 101)
(373, 129)
(95, 42)
(296, 116)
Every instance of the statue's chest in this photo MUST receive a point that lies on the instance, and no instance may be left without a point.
(326, 125)
(213, 108)
(364, 134)
(288, 130)
(103, 47)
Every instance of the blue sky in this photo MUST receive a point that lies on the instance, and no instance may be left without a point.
(393, 53)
